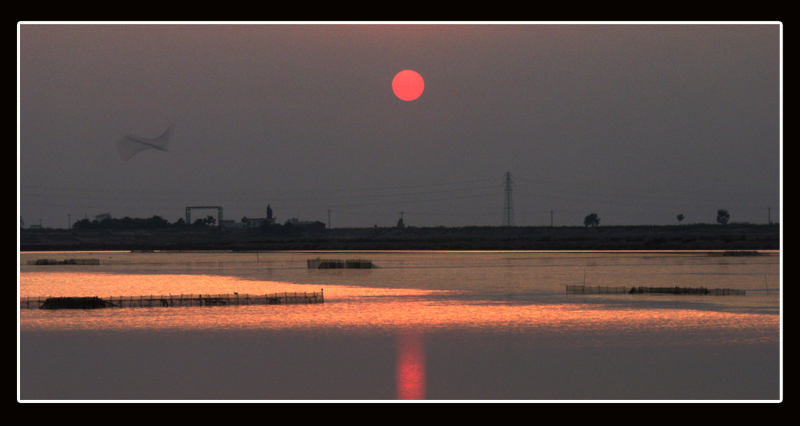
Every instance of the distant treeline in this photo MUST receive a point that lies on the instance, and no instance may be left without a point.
(158, 222)
(155, 222)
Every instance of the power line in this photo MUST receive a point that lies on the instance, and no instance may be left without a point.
(137, 201)
(234, 191)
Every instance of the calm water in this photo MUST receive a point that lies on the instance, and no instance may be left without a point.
(422, 325)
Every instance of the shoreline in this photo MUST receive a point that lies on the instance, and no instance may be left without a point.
(732, 237)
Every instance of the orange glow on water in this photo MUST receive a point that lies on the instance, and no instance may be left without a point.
(410, 366)
(353, 308)
(412, 327)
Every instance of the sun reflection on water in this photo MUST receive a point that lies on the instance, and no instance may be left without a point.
(410, 365)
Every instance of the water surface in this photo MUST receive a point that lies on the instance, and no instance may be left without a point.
(421, 325)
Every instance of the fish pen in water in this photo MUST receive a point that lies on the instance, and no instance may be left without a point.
(172, 300)
(585, 289)
(339, 264)
(74, 303)
(64, 262)
(687, 290)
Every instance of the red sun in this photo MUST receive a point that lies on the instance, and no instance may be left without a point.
(408, 85)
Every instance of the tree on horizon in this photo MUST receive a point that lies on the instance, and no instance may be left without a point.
(591, 220)
(723, 216)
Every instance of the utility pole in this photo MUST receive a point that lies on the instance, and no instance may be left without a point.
(69, 220)
(769, 217)
(551, 218)
(329, 218)
(508, 208)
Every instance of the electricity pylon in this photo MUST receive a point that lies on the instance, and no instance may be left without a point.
(508, 209)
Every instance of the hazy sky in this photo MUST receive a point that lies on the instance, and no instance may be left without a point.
(637, 123)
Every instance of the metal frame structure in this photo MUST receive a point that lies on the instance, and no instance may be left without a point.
(189, 214)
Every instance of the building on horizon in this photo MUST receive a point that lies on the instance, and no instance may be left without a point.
(249, 222)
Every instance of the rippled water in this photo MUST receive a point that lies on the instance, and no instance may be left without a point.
(425, 325)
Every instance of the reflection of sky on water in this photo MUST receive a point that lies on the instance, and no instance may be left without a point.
(437, 330)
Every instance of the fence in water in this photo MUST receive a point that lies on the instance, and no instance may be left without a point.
(339, 264)
(585, 289)
(725, 292)
(171, 300)
(687, 290)
(64, 262)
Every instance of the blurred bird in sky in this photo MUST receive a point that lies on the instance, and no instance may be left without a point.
(131, 145)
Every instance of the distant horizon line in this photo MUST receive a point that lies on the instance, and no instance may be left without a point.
(172, 226)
